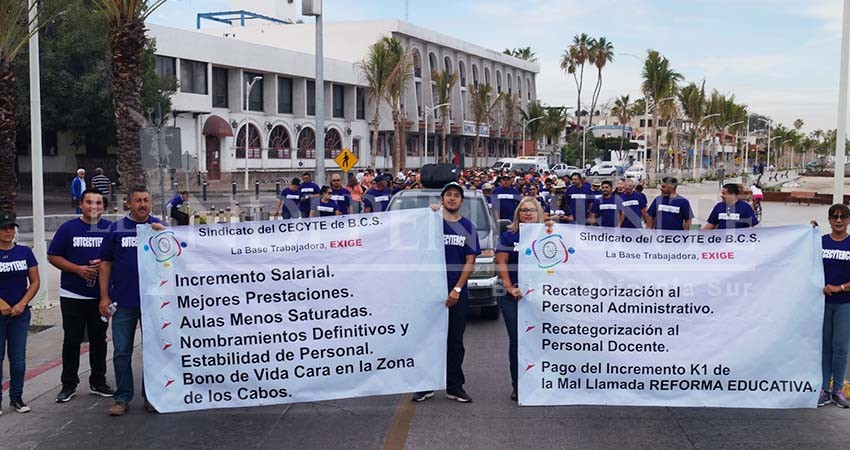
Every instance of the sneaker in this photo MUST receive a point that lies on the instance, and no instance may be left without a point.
(459, 395)
(119, 408)
(150, 408)
(840, 400)
(19, 405)
(824, 398)
(514, 395)
(66, 394)
(103, 390)
(422, 396)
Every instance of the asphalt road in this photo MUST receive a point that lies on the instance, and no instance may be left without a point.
(492, 421)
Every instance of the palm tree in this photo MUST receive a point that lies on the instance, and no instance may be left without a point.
(554, 123)
(798, 125)
(374, 71)
(482, 106)
(659, 82)
(15, 32)
(444, 83)
(692, 99)
(534, 130)
(522, 53)
(127, 42)
(573, 61)
(510, 110)
(397, 82)
(622, 109)
(600, 54)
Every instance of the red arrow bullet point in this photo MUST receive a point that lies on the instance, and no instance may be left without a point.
(162, 283)
(166, 346)
(164, 304)
(530, 366)
(529, 291)
(169, 382)
(165, 325)
(528, 327)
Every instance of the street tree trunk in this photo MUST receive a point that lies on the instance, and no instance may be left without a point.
(127, 44)
(8, 123)
(374, 149)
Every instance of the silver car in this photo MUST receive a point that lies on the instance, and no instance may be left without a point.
(484, 284)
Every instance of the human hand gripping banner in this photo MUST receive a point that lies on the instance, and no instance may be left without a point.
(627, 317)
(291, 311)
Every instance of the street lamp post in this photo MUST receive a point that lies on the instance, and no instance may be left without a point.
(314, 8)
(525, 123)
(747, 153)
(248, 87)
(841, 132)
(428, 111)
(584, 146)
(698, 154)
(726, 130)
(791, 151)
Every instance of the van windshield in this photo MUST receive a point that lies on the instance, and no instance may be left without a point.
(525, 167)
(498, 165)
(473, 209)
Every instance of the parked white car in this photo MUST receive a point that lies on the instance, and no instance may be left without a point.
(636, 172)
(604, 169)
(564, 170)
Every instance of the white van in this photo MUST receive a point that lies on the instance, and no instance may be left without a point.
(524, 163)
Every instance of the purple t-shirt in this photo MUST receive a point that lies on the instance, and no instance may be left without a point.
(460, 240)
(670, 213)
(324, 209)
(342, 197)
(119, 247)
(606, 210)
(739, 215)
(580, 200)
(79, 243)
(836, 266)
(505, 201)
(509, 243)
(377, 200)
(14, 273)
(307, 190)
(631, 205)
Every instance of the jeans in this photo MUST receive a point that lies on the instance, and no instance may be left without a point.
(77, 316)
(836, 343)
(454, 349)
(123, 333)
(180, 217)
(508, 304)
(13, 335)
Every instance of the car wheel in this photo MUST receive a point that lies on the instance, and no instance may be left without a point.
(595, 174)
(490, 312)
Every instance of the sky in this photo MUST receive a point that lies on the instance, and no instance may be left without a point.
(779, 57)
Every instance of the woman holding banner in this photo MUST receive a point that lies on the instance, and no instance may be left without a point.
(528, 211)
(836, 313)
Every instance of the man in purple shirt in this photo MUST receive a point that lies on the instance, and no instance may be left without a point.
(119, 283)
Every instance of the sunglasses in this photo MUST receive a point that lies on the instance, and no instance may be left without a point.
(527, 210)
(839, 217)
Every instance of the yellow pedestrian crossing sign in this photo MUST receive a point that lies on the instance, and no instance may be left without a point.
(346, 160)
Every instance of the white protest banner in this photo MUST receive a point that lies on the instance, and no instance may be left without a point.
(291, 311)
(728, 318)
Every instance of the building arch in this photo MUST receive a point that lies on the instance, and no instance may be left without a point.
(254, 144)
(306, 143)
(280, 142)
(333, 143)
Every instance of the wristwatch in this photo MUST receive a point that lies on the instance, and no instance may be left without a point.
(457, 289)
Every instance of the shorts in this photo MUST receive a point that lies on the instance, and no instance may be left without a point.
(758, 197)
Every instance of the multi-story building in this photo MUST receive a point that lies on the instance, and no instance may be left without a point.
(214, 67)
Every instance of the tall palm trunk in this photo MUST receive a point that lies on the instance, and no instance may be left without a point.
(8, 123)
(127, 43)
(445, 134)
(373, 152)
